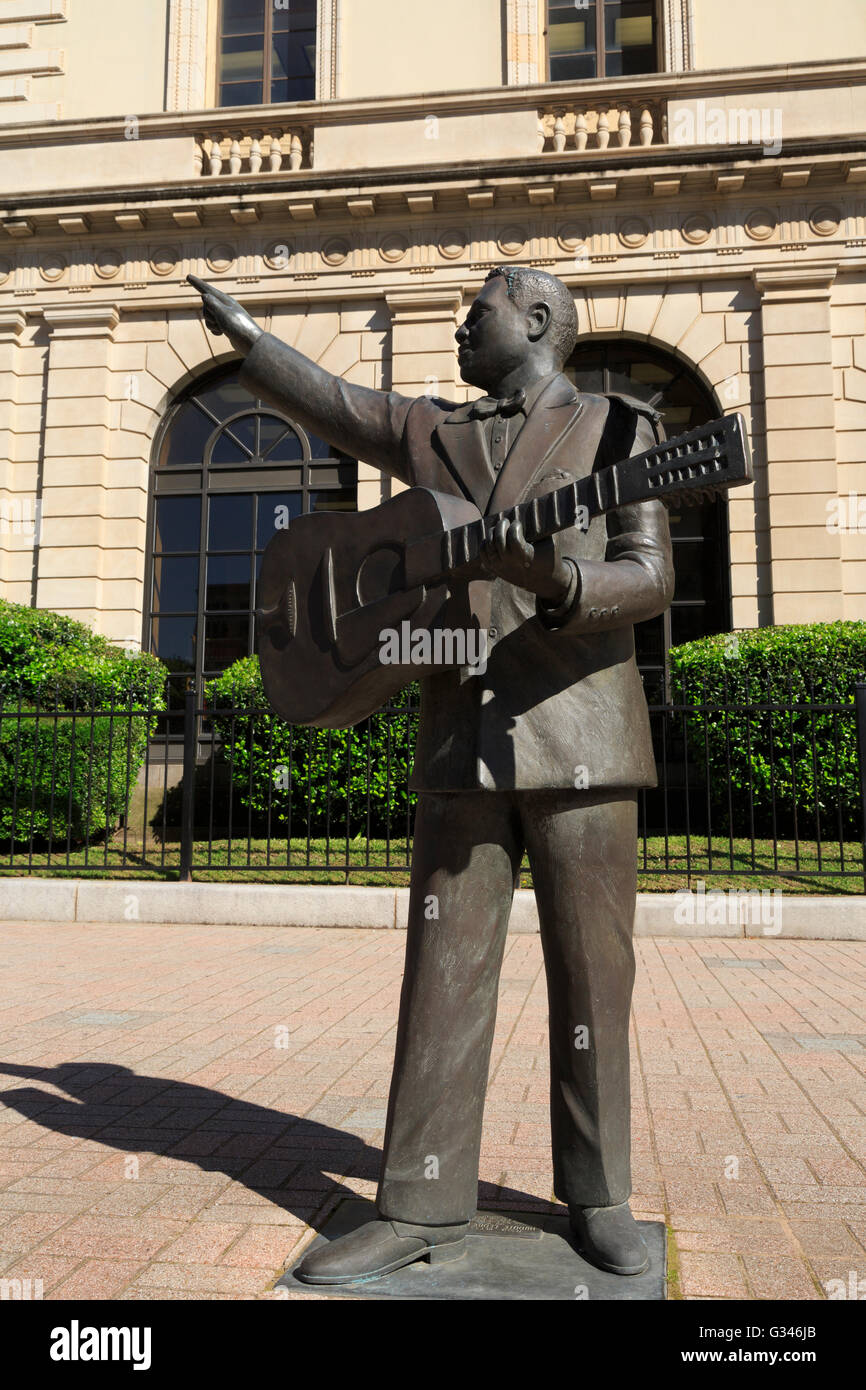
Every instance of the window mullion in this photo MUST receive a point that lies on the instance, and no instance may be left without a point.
(267, 59)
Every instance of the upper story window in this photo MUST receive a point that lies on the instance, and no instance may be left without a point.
(267, 51)
(601, 38)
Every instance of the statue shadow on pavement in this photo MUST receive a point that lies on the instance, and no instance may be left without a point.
(284, 1157)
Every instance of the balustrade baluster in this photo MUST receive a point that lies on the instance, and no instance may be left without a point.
(275, 157)
(580, 130)
(255, 154)
(625, 127)
(216, 158)
(602, 131)
(646, 126)
(235, 156)
(559, 131)
(296, 152)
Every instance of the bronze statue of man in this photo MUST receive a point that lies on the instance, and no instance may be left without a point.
(543, 752)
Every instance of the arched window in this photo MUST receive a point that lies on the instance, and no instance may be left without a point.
(229, 472)
(267, 51)
(702, 598)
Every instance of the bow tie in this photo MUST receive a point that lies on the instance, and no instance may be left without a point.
(489, 405)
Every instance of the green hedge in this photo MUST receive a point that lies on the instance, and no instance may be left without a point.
(805, 760)
(285, 773)
(65, 774)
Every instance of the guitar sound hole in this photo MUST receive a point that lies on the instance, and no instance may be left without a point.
(380, 574)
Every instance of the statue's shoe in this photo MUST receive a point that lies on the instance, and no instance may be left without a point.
(379, 1248)
(610, 1238)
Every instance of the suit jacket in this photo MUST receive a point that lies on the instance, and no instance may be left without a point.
(561, 704)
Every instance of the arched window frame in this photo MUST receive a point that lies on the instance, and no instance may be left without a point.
(605, 349)
(314, 479)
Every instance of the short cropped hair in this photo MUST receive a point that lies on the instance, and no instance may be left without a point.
(526, 286)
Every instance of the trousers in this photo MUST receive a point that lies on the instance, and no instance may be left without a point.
(468, 850)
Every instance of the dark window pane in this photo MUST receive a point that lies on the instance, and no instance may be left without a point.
(173, 641)
(294, 16)
(175, 584)
(299, 89)
(241, 59)
(187, 437)
(687, 624)
(335, 499)
(241, 94)
(692, 522)
(226, 640)
(230, 522)
(690, 559)
(178, 524)
(649, 640)
(279, 91)
(276, 511)
(228, 582)
(243, 16)
(293, 55)
(285, 449)
(226, 449)
(319, 449)
(572, 69)
(225, 399)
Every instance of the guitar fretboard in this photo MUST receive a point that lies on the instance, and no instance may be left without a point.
(681, 471)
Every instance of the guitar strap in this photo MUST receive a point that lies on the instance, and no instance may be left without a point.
(620, 427)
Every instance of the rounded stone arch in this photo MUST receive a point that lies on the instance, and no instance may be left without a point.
(186, 382)
(664, 378)
(227, 470)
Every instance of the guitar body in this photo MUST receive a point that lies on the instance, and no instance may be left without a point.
(333, 582)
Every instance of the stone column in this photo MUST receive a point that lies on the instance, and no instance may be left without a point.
(805, 555)
(94, 501)
(19, 469)
(423, 350)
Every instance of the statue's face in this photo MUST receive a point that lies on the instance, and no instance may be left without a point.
(494, 338)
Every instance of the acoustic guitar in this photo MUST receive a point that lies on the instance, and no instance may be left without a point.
(335, 587)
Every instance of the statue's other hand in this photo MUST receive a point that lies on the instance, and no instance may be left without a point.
(222, 314)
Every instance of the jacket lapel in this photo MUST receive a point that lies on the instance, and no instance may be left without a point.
(554, 413)
(464, 447)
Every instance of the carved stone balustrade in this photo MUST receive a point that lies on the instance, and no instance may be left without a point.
(616, 124)
(251, 152)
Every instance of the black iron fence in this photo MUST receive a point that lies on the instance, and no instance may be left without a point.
(749, 787)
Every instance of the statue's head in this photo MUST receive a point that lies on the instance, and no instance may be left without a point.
(521, 316)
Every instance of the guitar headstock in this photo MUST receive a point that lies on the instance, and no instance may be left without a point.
(686, 470)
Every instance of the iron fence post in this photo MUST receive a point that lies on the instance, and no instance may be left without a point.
(187, 817)
(860, 716)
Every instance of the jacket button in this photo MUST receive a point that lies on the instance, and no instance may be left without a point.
(493, 632)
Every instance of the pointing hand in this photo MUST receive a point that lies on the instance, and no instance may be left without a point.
(222, 314)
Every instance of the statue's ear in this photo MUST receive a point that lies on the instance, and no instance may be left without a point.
(539, 316)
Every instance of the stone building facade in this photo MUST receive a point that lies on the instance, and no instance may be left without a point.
(709, 215)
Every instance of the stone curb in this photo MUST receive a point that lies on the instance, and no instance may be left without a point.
(763, 915)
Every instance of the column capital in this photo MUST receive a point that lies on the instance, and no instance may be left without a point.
(795, 282)
(424, 304)
(12, 325)
(82, 320)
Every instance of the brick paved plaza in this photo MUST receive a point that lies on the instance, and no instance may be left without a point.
(180, 1103)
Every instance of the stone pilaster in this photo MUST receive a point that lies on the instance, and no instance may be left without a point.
(91, 556)
(805, 553)
(186, 69)
(524, 57)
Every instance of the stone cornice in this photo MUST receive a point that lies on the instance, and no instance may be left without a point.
(781, 77)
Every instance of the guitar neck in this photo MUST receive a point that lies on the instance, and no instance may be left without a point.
(685, 470)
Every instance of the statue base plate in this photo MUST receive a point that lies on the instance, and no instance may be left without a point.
(511, 1255)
